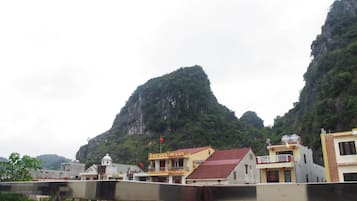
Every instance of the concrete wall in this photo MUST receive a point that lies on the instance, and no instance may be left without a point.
(242, 178)
(67, 171)
(121, 190)
(346, 169)
(309, 171)
(200, 156)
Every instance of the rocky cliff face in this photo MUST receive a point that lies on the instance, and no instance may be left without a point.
(340, 11)
(171, 105)
(329, 97)
(160, 104)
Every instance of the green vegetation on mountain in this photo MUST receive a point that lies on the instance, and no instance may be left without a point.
(329, 98)
(51, 161)
(181, 107)
(252, 119)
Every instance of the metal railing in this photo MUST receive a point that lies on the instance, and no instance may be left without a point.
(283, 158)
(162, 169)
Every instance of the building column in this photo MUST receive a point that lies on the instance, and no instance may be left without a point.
(157, 165)
(170, 179)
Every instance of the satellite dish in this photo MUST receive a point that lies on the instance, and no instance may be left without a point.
(294, 138)
(285, 139)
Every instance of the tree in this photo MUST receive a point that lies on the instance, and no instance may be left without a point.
(18, 168)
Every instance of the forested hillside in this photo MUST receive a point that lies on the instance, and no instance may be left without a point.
(329, 97)
(51, 161)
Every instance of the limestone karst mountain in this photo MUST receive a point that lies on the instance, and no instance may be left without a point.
(179, 106)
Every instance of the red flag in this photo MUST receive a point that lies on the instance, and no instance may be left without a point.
(141, 165)
(162, 139)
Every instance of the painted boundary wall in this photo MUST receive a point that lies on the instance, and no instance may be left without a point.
(143, 191)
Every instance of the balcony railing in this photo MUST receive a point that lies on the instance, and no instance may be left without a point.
(161, 169)
(152, 169)
(283, 158)
(176, 168)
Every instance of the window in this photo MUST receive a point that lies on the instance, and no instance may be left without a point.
(287, 175)
(235, 175)
(162, 165)
(350, 176)
(305, 158)
(272, 176)
(347, 148)
(307, 178)
(177, 179)
(246, 169)
(181, 162)
(284, 152)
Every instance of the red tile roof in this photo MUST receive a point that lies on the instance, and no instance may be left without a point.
(219, 165)
(193, 150)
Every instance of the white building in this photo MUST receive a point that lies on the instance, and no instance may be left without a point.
(110, 171)
(69, 170)
(289, 162)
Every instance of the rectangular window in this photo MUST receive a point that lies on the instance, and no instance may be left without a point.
(287, 175)
(177, 179)
(162, 165)
(272, 176)
(246, 169)
(350, 176)
(284, 152)
(235, 175)
(180, 162)
(347, 148)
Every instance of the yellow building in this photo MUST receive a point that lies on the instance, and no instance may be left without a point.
(173, 167)
(340, 157)
(289, 162)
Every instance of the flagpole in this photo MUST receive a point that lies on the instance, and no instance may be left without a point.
(161, 140)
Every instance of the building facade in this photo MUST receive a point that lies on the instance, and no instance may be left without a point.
(70, 170)
(108, 170)
(234, 166)
(289, 162)
(340, 156)
(173, 167)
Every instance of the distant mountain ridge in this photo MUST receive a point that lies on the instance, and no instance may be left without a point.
(3, 159)
(51, 161)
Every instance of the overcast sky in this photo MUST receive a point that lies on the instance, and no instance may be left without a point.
(67, 67)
